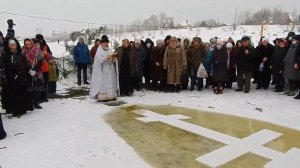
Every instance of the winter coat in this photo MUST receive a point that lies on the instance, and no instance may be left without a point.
(133, 61)
(244, 61)
(262, 51)
(220, 68)
(277, 60)
(140, 55)
(93, 53)
(175, 62)
(157, 55)
(289, 72)
(147, 61)
(297, 57)
(208, 60)
(232, 65)
(35, 61)
(15, 95)
(195, 56)
(81, 54)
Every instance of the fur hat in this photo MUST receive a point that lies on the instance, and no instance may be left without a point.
(197, 39)
(104, 39)
(137, 41)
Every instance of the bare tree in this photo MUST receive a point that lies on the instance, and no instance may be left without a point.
(165, 21)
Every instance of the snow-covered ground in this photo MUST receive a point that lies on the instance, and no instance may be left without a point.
(72, 133)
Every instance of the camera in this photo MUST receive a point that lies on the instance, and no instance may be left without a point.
(10, 30)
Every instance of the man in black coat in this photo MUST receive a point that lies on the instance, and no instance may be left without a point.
(278, 65)
(245, 65)
(127, 68)
(264, 53)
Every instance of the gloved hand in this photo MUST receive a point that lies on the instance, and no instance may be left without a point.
(32, 72)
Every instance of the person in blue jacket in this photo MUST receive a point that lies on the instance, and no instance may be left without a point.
(81, 59)
(208, 62)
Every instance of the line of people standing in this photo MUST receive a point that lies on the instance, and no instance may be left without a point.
(173, 63)
(27, 74)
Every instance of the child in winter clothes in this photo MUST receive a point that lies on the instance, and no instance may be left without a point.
(53, 76)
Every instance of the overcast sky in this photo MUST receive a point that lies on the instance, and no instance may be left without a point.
(123, 11)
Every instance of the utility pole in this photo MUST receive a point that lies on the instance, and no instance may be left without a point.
(262, 21)
(294, 19)
(235, 19)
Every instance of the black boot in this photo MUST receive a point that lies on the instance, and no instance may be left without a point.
(37, 106)
(36, 101)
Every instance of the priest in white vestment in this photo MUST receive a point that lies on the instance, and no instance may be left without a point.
(105, 76)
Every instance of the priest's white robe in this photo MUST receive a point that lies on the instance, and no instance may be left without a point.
(105, 76)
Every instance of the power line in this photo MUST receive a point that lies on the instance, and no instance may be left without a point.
(68, 20)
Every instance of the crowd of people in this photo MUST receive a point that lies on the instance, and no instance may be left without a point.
(28, 74)
(174, 63)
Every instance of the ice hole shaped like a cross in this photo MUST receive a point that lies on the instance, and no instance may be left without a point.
(235, 147)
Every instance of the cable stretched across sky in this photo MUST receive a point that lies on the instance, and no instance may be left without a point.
(66, 20)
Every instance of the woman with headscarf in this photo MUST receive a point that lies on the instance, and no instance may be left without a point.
(16, 73)
(34, 60)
